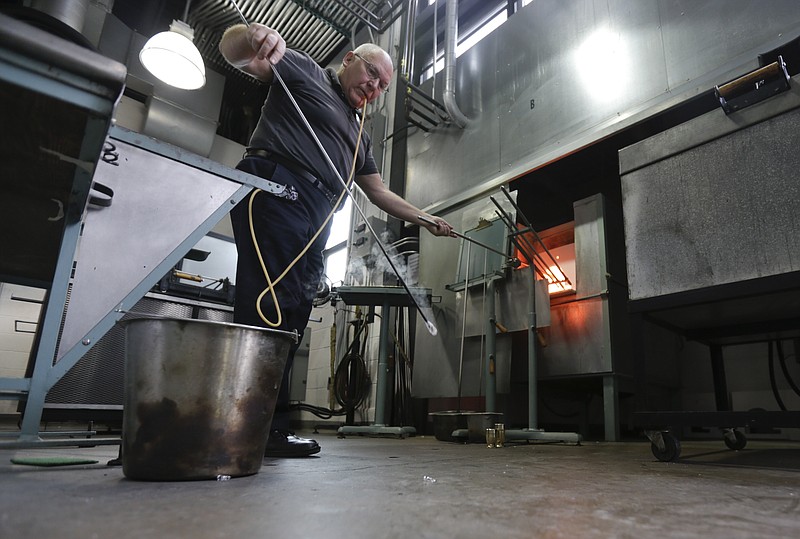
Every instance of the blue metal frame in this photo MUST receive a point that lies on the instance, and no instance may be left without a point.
(40, 77)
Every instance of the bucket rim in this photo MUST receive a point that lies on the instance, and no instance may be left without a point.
(150, 317)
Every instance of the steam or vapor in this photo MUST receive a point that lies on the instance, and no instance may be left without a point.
(357, 272)
(377, 269)
(382, 265)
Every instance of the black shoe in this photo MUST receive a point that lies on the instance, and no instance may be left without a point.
(282, 443)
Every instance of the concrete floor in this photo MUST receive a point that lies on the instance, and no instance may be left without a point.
(421, 488)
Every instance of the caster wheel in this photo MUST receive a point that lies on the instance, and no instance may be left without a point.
(735, 442)
(671, 450)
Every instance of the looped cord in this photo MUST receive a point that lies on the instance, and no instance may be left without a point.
(270, 283)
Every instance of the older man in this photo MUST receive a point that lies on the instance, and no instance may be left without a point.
(282, 149)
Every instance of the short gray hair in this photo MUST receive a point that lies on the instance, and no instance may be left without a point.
(371, 50)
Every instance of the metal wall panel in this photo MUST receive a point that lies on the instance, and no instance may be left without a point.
(436, 359)
(659, 53)
(511, 304)
(590, 246)
(718, 213)
(577, 340)
(569, 66)
(179, 127)
(702, 36)
(448, 159)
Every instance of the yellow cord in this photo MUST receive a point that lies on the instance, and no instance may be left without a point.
(270, 283)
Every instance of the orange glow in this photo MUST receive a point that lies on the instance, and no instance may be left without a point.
(557, 281)
(518, 253)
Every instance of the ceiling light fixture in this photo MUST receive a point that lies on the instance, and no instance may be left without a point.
(172, 57)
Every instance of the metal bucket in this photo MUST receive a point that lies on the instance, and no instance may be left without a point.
(455, 426)
(478, 422)
(199, 397)
(446, 423)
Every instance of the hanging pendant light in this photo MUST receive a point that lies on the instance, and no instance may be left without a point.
(172, 57)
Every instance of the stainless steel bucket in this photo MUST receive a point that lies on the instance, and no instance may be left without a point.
(199, 397)
(478, 422)
(472, 424)
(446, 423)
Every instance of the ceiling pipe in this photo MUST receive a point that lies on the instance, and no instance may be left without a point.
(407, 58)
(450, 39)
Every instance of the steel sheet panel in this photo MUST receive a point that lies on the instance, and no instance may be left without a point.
(658, 53)
(577, 339)
(567, 67)
(718, 213)
(702, 36)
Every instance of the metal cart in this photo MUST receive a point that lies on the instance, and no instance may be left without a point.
(710, 209)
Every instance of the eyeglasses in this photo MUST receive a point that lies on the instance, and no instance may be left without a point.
(372, 72)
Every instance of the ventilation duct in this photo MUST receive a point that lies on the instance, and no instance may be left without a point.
(450, 39)
(67, 19)
(70, 12)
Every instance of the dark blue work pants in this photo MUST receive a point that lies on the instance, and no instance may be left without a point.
(282, 229)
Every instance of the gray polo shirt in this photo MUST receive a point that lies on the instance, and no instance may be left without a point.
(319, 95)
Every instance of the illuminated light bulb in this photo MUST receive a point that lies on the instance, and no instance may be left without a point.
(173, 59)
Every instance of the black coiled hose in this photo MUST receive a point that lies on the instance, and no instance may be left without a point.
(353, 367)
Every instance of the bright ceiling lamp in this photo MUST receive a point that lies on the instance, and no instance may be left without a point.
(172, 57)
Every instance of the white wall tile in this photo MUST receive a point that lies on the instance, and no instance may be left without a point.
(13, 364)
(16, 342)
(321, 339)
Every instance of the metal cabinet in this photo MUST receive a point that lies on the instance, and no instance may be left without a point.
(712, 236)
(57, 103)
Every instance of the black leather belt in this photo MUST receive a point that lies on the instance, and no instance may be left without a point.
(295, 170)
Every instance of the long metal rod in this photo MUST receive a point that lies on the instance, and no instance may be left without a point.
(244, 19)
(465, 237)
(533, 389)
(533, 360)
(428, 323)
(525, 247)
(528, 224)
(545, 270)
(463, 323)
(483, 318)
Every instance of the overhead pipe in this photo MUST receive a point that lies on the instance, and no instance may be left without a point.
(450, 38)
(378, 21)
(435, 47)
(406, 67)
